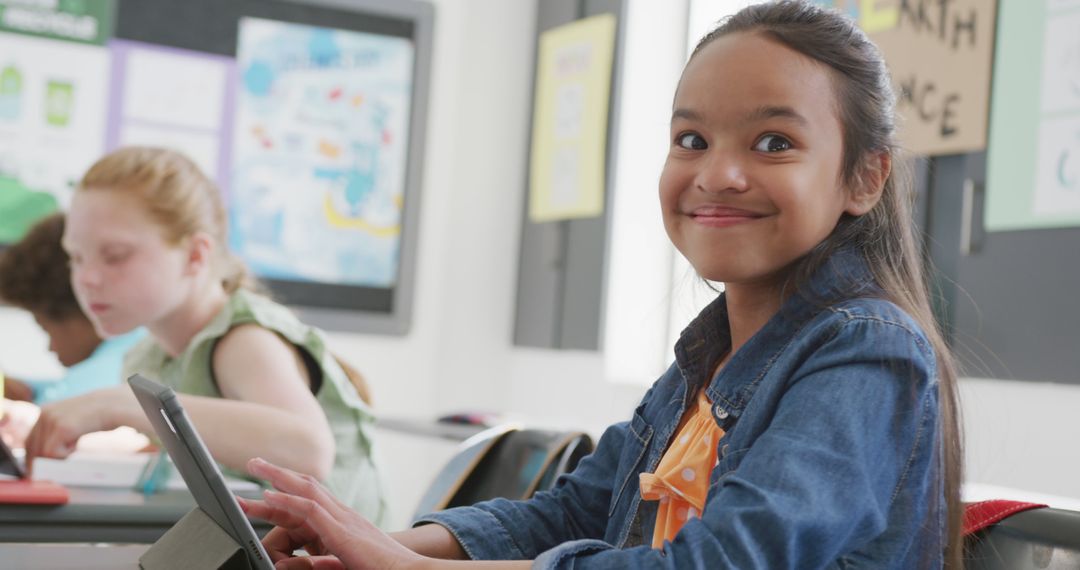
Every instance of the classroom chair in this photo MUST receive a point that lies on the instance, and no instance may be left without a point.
(504, 462)
(1009, 535)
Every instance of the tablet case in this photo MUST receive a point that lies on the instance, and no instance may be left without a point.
(195, 541)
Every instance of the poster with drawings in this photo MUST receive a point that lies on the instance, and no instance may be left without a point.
(1057, 184)
(52, 123)
(319, 152)
(1033, 159)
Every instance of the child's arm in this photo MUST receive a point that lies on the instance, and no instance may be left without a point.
(575, 509)
(18, 390)
(308, 516)
(253, 364)
(268, 410)
(431, 540)
(844, 466)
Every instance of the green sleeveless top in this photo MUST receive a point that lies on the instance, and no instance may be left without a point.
(354, 479)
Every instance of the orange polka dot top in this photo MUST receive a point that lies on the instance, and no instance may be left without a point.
(681, 480)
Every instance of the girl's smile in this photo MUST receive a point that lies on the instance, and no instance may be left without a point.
(722, 216)
(98, 308)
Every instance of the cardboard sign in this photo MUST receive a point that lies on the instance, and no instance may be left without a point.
(940, 55)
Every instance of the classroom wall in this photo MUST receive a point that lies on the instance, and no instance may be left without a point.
(1018, 433)
(458, 354)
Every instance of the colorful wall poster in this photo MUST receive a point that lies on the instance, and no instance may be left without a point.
(1033, 161)
(570, 120)
(52, 123)
(319, 152)
(173, 98)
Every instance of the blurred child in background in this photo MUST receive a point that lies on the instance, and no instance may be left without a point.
(34, 276)
(147, 238)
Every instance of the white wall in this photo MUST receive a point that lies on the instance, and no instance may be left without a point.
(1022, 435)
(459, 355)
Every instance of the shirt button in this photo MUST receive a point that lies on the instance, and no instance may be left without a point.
(721, 413)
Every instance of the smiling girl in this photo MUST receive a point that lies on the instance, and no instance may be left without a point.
(809, 419)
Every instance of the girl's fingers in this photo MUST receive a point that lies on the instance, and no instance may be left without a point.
(259, 509)
(310, 563)
(33, 444)
(328, 529)
(294, 563)
(289, 530)
(294, 483)
(334, 528)
(47, 439)
(279, 544)
(354, 540)
(326, 563)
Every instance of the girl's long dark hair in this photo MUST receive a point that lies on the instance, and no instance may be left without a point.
(886, 236)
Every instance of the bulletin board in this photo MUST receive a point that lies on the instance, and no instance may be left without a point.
(1008, 273)
(561, 262)
(309, 115)
(1033, 177)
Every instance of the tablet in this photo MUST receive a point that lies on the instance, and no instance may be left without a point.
(9, 464)
(193, 461)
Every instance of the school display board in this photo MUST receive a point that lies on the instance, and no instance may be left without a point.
(52, 104)
(1033, 180)
(1010, 296)
(308, 114)
(563, 258)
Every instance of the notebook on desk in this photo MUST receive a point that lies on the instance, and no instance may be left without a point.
(114, 470)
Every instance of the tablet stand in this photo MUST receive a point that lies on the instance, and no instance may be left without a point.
(195, 541)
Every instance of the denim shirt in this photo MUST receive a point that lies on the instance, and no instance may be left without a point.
(830, 457)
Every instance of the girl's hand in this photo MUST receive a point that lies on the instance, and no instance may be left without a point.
(309, 517)
(18, 390)
(19, 418)
(288, 536)
(62, 423)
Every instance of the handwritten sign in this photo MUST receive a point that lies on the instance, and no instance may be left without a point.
(940, 55)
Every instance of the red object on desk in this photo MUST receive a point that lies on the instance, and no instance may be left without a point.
(978, 516)
(30, 492)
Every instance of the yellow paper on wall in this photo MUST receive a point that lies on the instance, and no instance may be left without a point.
(570, 120)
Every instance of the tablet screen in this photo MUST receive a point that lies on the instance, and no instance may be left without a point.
(9, 464)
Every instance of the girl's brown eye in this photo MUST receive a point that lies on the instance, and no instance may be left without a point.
(691, 141)
(772, 143)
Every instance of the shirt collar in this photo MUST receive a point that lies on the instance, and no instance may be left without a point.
(842, 276)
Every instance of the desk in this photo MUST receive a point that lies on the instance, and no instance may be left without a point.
(71, 556)
(429, 428)
(100, 515)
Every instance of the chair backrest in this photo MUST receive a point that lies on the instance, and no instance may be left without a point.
(1045, 539)
(508, 463)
